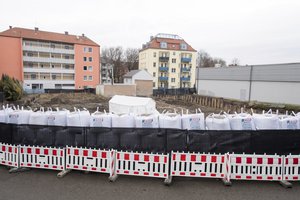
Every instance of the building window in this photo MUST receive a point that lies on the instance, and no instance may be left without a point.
(90, 68)
(85, 78)
(173, 60)
(33, 76)
(67, 47)
(174, 53)
(153, 84)
(90, 59)
(52, 66)
(154, 74)
(85, 49)
(90, 49)
(53, 77)
(90, 78)
(173, 70)
(154, 54)
(173, 80)
(84, 68)
(183, 46)
(67, 57)
(163, 45)
(84, 59)
(154, 64)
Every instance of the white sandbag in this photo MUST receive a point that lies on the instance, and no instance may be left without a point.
(266, 121)
(170, 120)
(79, 118)
(122, 121)
(38, 118)
(217, 122)
(146, 121)
(193, 121)
(57, 118)
(19, 116)
(100, 119)
(4, 114)
(288, 122)
(241, 121)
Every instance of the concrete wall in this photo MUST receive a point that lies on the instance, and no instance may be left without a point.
(278, 83)
(116, 89)
(144, 88)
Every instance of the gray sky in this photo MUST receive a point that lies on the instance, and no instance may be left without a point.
(254, 31)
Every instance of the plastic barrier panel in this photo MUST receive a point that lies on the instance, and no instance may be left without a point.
(9, 155)
(94, 160)
(292, 168)
(142, 164)
(256, 167)
(42, 157)
(198, 165)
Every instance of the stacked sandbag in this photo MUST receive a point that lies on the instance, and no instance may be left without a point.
(4, 114)
(58, 117)
(38, 118)
(122, 121)
(170, 120)
(217, 122)
(19, 116)
(241, 121)
(79, 118)
(146, 121)
(100, 119)
(288, 122)
(266, 121)
(193, 121)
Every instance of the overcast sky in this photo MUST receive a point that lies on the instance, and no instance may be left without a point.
(254, 31)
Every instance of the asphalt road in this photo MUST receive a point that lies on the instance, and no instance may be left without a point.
(43, 184)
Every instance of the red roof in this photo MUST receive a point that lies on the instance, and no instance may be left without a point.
(172, 44)
(47, 36)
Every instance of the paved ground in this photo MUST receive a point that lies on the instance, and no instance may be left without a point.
(43, 184)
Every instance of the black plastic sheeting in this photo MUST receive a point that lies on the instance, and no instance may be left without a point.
(282, 142)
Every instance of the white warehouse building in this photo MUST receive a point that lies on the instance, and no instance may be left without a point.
(274, 83)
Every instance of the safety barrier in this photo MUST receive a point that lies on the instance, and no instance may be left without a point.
(94, 160)
(9, 155)
(142, 164)
(198, 165)
(256, 167)
(292, 168)
(42, 157)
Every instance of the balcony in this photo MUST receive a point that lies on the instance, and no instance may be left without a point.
(48, 49)
(48, 60)
(185, 78)
(186, 60)
(163, 78)
(185, 69)
(163, 59)
(164, 69)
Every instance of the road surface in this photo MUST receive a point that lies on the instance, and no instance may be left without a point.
(43, 185)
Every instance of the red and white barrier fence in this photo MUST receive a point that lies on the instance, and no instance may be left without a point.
(9, 155)
(198, 165)
(42, 157)
(256, 167)
(292, 168)
(94, 160)
(142, 164)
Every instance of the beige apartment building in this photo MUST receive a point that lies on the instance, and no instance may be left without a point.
(170, 60)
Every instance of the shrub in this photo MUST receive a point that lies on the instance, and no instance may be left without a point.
(11, 88)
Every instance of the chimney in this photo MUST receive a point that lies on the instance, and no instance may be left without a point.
(66, 33)
(10, 27)
(36, 28)
(82, 34)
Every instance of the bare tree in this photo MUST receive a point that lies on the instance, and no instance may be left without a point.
(205, 60)
(132, 58)
(235, 62)
(115, 57)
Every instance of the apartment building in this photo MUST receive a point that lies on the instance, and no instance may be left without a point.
(47, 60)
(170, 60)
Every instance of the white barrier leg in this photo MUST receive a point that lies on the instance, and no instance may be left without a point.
(286, 184)
(168, 181)
(63, 173)
(226, 181)
(18, 169)
(113, 175)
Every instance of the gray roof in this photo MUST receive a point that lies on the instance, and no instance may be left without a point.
(131, 73)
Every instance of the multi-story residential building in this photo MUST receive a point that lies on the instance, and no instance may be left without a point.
(106, 71)
(170, 60)
(47, 60)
